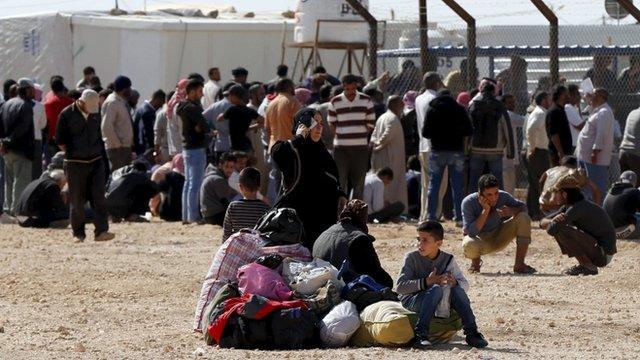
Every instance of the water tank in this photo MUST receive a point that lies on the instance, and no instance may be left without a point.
(308, 12)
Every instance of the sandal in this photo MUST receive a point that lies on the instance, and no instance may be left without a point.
(526, 270)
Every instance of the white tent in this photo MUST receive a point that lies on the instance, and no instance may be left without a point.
(155, 50)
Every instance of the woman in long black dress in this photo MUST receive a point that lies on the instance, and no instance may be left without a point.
(310, 176)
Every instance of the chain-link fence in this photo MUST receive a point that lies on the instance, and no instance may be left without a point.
(518, 57)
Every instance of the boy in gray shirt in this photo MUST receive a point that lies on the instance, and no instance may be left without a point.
(429, 277)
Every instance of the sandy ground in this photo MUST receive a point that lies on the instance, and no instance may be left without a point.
(134, 298)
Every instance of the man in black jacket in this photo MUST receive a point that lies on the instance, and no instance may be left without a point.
(492, 134)
(447, 125)
(78, 134)
(349, 240)
(17, 143)
(42, 204)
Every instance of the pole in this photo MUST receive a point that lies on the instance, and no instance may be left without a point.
(373, 36)
(632, 9)
(424, 37)
(554, 56)
(471, 41)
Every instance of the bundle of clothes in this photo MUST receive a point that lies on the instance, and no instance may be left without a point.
(264, 291)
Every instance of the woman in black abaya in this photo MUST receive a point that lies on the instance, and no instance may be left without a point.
(310, 176)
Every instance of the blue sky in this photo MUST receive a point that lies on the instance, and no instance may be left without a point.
(487, 12)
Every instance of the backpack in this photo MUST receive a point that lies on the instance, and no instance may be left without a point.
(364, 291)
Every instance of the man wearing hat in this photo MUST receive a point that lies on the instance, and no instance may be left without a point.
(621, 204)
(79, 136)
(117, 128)
(582, 229)
(240, 75)
(17, 143)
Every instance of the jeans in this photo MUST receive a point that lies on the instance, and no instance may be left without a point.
(438, 162)
(194, 165)
(599, 175)
(426, 302)
(87, 182)
(476, 169)
(17, 175)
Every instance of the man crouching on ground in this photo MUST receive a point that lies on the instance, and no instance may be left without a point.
(582, 229)
(492, 218)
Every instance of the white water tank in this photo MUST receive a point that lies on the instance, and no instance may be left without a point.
(308, 12)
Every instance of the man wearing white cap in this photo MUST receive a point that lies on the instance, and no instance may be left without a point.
(16, 143)
(78, 134)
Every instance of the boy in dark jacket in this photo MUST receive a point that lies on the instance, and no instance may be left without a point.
(430, 282)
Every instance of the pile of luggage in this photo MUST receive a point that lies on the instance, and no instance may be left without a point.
(264, 291)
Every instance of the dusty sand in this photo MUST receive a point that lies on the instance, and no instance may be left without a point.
(134, 298)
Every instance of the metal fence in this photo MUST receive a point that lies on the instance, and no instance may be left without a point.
(518, 56)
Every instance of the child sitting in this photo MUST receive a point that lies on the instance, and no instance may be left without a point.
(245, 212)
(430, 276)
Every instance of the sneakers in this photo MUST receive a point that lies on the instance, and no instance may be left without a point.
(105, 236)
(78, 238)
(580, 270)
(421, 343)
(476, 339)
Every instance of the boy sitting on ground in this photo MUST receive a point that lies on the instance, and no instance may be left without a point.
(430, 281)
(246, 212)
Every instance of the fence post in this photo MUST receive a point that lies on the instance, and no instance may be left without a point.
(373, 36)
(554, 68)
(471, 41)
(632, 9)
(424, 37)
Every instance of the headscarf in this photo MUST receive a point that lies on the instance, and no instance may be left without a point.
(177, 164)
(303, 95)
(179, 95)
(409, 99)
(356, 213)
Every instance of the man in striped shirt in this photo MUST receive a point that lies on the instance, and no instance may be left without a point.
(245, 212)
(352, 119)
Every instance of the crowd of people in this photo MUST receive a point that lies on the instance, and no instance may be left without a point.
(406, 147)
